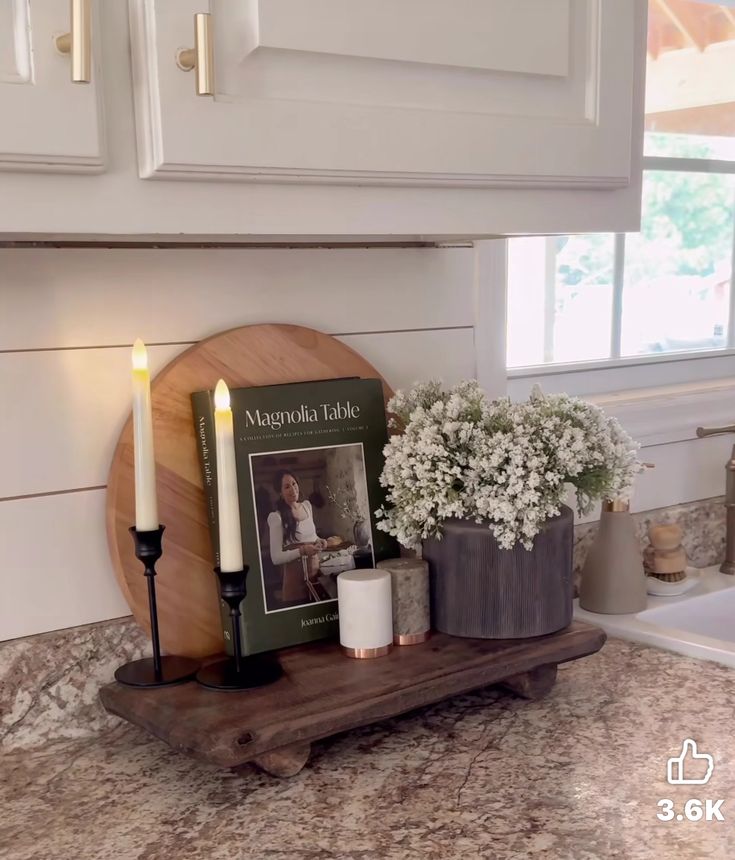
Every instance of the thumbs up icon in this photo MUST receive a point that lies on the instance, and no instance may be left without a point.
(689, 762)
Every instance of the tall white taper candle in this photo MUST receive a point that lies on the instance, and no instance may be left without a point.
(146, 505)
(230, 536)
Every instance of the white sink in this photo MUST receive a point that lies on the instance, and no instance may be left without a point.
(700, 623)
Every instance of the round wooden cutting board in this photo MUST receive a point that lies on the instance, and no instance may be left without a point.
(188, 605)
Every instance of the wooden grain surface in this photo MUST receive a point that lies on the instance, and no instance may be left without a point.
(187, 593)
(323, 692)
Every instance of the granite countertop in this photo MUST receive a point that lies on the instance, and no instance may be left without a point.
(487, 775)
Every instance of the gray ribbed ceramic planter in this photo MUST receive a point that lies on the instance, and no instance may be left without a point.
(482, 591)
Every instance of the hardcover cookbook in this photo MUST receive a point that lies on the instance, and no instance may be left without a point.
(309, 457)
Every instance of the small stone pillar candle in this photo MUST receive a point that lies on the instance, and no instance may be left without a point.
(410, 592)
(365, 616)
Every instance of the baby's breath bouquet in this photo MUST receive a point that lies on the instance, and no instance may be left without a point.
(463, 456)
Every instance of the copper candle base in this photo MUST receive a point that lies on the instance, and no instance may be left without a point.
(411, 638)
(367, 653)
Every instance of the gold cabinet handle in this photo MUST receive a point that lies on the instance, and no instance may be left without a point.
(78, 42)
(200, 58)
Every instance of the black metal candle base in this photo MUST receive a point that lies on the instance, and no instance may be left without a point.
(238, 672)
(255, 671)
(155, 671)
(142, 673)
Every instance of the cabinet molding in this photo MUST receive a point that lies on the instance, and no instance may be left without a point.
(50, 125)
(15, 43)
(471, 33)
(375, 108)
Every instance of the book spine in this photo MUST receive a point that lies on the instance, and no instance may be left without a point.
(204, 428)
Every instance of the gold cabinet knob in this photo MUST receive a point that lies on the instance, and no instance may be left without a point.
(200, 58)
(78, 42)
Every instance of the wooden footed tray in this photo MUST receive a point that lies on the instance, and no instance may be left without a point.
(323, 692)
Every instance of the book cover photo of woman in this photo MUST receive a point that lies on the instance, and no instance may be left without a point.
(313, 520)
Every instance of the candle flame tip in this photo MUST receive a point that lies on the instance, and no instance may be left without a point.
(140, 355)
(222, 395)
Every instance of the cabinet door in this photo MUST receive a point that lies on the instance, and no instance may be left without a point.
(467, 93)
(48, 122)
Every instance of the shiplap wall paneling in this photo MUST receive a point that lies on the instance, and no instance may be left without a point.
(78, 400)
(55, 572)
(103, 297)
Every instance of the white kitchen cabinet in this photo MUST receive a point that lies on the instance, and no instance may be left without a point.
(427, 93)
(48, 122)
(340, 120)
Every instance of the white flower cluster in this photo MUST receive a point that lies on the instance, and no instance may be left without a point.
(461, 455)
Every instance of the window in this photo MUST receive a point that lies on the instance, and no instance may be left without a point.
(665, 293)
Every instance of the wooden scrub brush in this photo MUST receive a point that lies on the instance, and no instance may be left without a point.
(666, 558)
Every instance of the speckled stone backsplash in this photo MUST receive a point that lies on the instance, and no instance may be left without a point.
(49, 683)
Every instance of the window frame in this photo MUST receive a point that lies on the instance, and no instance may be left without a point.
(616, 372)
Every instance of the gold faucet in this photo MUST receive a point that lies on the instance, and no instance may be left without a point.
(728, 565)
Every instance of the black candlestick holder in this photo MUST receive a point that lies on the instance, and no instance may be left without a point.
(238, 672)
(155, 671)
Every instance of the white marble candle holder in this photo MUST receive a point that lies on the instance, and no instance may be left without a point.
(365, 613)
(410, 597)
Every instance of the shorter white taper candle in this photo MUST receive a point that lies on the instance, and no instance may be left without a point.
(365, 612)
(228, 503)
(146, 505)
